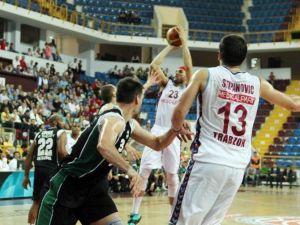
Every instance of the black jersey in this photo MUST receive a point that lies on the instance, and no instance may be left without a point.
(85, 160)
(46, 148)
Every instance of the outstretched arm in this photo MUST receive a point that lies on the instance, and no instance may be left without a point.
(158, 60)
(187, 58)
(290, 102)
(158, 142)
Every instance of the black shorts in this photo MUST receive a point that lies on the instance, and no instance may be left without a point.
(41, 178)
(69, 199)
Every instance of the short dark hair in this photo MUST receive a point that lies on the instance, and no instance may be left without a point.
(127, 89)
(233, 50)
(106, 93)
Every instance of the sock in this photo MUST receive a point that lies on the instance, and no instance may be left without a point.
(136, 205)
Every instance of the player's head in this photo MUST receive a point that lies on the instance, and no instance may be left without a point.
(76, 129)
(56, 121)
(130, 91)
(108, 93)
(232, 50)
(180, 75)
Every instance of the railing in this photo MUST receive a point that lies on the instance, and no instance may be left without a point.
(77, 18)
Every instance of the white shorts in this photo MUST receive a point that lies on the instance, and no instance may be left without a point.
(168, 158)
(205, 194)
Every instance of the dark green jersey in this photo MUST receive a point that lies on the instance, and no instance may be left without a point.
(86, 159)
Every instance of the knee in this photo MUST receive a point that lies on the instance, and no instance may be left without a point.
(172, 182)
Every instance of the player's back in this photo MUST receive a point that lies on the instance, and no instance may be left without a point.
(167, 102)
(46, 153)
(228, 109)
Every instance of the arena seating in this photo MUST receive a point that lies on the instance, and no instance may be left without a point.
(208, 21)
(270, 15)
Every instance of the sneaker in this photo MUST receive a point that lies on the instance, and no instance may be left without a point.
(134, 219)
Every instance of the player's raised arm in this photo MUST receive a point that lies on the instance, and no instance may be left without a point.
(158, 60)
(276, 97)
(186, 55)
(196, 85)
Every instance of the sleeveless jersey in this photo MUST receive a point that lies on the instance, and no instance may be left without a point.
(85, 161)
(228, 109)
(166, 104)
(46, 154)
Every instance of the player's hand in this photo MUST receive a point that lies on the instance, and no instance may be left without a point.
(153, 78)
(182, 35)
(109, 176)
(136, 185)
(26, 182)
(133, 154)
(185, 133)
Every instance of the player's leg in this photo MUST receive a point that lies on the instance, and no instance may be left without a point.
(50, 211)
(99, 208)
(197, 193)
(40, 177)
(233, 179)
(171, 162)
(135, 216)
(150, 160)
(33, 211)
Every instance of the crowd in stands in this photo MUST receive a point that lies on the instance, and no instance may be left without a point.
(49, 51)
(126, 16)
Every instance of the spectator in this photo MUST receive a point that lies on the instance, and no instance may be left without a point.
(3, 162)
(13, 164)
(30, 68)
(12, 47)
(255, 165)
(23, 64)
(79, 67)
(47, 51)
(73, 65)
(29, 52)
(3, 44)
(53, 49)
(35, 69)
(272, 78)
(16, 62)
(6, 118)
(36, 52)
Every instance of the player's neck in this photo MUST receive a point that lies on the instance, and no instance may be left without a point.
(127, 111)
(233, 69)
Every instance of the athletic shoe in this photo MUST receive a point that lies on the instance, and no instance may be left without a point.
(134, 219)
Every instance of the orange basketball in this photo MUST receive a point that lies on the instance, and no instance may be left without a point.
(173, 37)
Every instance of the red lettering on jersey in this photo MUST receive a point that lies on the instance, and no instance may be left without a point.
(236, 97)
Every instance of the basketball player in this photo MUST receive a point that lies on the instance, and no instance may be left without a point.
(72, 137)
(222, 146)
(77, 188)
(48, 148)
(169, 158)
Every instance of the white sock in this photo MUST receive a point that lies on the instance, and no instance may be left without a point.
(136, 205)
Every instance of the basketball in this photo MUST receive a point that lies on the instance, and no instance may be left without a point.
(173, 37)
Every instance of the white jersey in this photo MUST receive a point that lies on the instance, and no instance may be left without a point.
(228, 110)
(167, 103)
(70, 142)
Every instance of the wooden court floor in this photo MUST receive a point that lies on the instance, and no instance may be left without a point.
(261, 205)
